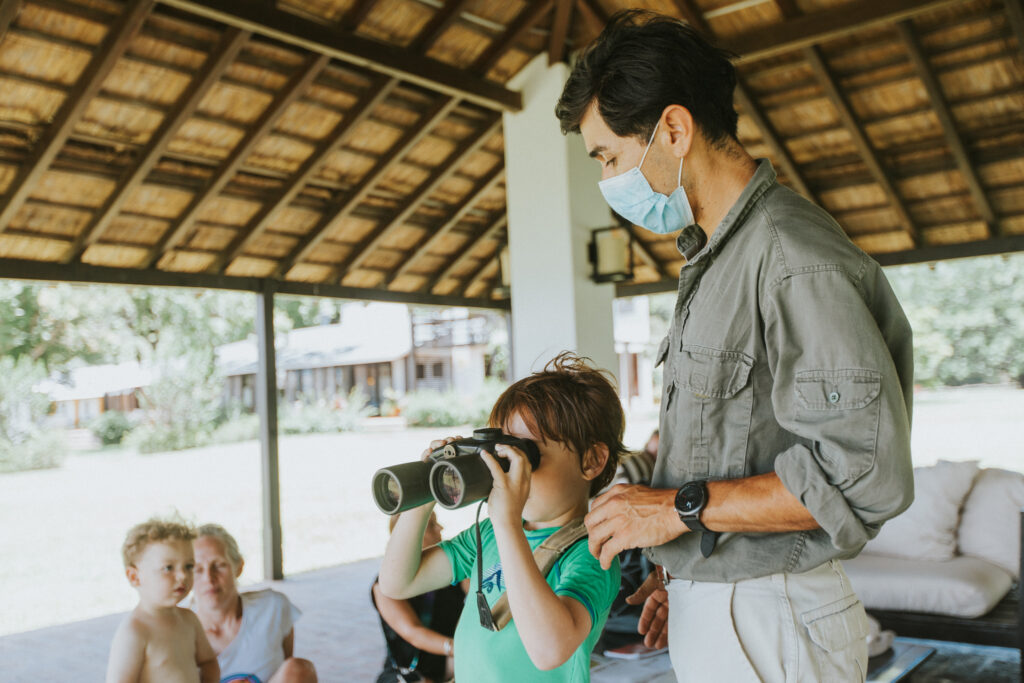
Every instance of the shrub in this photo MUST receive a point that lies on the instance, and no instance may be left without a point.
(111, 427)
(428, 408)
(23, 444)
(323, 418)
(240, 427)
(43, 451)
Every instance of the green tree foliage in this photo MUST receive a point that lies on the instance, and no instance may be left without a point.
(967, 316)
(24, 444)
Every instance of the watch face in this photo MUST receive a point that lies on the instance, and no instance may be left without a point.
(690, 498)
(688, 505)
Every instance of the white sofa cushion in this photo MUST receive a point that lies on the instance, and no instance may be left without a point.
(962, 587)
(927, 529)
(990, 520)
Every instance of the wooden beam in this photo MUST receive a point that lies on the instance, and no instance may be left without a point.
(45, 150)
(356, 14)
(487, 233)
(298, 85)
(771, 138)
(443, 18)
(486, 184)
(693, 16)
(266, 408)
(594, 17)
(1015, 13)
(937, 99)
(23, 269)
(860, 141)
(478, 271)
(220, 59)
(360, 111)
(9, 10)
(390, 60)
(332, 218)
(529, 16)
(440, 175)
(818, 27)
(559, 31)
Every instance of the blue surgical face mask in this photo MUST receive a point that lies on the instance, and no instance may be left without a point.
(631, 196)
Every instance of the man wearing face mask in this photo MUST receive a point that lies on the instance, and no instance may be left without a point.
(785, 417)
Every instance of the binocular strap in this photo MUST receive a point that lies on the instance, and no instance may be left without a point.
(545, 555)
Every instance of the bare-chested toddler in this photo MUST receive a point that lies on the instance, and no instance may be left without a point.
(160, 641)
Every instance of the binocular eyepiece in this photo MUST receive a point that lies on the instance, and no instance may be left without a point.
(455, 476)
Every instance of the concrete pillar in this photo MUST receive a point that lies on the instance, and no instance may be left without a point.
(553, 203)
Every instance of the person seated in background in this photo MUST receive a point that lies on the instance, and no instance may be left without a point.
(418, 632)
(159, 641)
(253, 632)
(621, 627)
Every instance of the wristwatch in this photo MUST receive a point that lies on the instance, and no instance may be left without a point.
(691, 498)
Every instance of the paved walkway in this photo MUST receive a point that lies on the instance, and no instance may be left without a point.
(339, 632)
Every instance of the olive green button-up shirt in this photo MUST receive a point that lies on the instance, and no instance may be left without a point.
(788, 353)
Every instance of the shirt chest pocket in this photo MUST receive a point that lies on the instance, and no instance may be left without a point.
(714, 410)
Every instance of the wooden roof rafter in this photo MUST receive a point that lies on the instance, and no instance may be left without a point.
(359, 254)
(89, 83)
(477, 272)
(486, 183)
(515, 31)
(217, 64)
(860, 140)
(443, 18)
(299, 83)
(8, 13)
(332, 218)
(263, 17)
(492, 229)
(559, 30)
(1015, 13)
(956, 145)
(371, 98)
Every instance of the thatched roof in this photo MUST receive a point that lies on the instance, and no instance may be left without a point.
(357, 144)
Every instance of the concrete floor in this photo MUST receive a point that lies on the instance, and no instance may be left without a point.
(339, 632)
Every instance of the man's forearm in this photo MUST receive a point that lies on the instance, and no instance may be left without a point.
(754, 504)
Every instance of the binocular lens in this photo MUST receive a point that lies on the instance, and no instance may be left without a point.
(448, 485)
(401, 487)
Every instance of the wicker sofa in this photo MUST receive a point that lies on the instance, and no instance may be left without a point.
(949, 568)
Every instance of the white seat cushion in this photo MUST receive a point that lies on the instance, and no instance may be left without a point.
(927, 529)
(962, 587)
(990, 521)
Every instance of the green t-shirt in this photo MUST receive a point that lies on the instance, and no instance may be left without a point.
(481, 655)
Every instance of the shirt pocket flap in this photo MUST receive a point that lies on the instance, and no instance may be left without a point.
(836, 625)
(659, 358)
(712, 373)
(837, 389)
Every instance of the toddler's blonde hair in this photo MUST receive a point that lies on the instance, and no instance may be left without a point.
(154, 530)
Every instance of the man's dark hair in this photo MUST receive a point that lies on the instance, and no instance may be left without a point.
(643, 62)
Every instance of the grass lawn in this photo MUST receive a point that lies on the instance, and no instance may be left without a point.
(61, 530)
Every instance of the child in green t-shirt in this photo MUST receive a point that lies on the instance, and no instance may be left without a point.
(573, 413)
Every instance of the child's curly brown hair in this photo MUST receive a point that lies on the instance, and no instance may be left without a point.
(572, 402)
(154, 530)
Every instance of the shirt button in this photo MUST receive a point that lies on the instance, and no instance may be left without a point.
(833, 397)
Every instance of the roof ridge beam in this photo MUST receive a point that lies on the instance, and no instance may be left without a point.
(391, 60)
(332, 218)
(222, 57)
(360, 111)
(298, 84)
(443, 172)
(45, 150)
(945, 117)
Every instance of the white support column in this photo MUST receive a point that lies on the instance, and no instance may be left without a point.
(553, 203)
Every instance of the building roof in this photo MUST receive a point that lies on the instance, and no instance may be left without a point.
(97, 381)
(357, 144)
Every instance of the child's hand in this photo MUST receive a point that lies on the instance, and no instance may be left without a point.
(511, 489)
(435, 444)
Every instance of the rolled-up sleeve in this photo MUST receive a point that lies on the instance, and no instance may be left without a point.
(835, 351)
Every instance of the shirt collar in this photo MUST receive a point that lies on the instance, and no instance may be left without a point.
(692, 242)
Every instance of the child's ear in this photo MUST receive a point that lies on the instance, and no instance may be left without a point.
(594, 461)
(132, 572)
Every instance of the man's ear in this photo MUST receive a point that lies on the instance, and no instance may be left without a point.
(594, 461)
(132, 572)
(678, 125)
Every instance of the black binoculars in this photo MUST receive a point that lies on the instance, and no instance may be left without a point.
(455, 476)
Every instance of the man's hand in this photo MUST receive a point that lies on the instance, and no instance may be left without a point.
(631, 516)
(653, 624)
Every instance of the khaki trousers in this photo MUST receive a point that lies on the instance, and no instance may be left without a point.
(785, 628)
